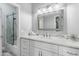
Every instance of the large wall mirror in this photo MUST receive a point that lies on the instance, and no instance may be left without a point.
(53, 21)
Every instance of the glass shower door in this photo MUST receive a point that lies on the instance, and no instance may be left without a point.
(9, 29)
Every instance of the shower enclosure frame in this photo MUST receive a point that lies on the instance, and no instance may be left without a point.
(12, 26)
(18, 29)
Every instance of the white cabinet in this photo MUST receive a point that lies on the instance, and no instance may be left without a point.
(40, 52)
(43, 49)
(24, 43)
(34, 51)
(38, 48)
(66, 51)
(44, 46)
(24, 47)
(48, 53)
(24, 52)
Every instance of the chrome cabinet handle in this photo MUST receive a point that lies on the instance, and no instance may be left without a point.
(72, 53)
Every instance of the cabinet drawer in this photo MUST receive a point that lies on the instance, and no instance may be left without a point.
(24, 43)
(66, 51)
(45, 46)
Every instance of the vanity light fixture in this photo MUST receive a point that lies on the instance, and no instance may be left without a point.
(39, 11)
(58, 6)
(44, 10)
(50, 9)
(53, 7)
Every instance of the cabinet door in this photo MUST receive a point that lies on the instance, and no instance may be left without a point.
(66, 51)
(35, 51)
(45, 46)
(40, 52)
(24, 47)
(24, 52)
(24, 43)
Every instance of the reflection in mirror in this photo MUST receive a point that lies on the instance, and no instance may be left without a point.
(51, 21)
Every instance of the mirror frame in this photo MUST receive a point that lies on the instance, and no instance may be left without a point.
(54, 18)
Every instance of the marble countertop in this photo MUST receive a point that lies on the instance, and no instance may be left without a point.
(55, 40)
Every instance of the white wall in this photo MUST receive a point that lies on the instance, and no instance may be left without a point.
(25, 18)
(73, 18)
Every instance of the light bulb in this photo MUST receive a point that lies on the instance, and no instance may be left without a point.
(39, 12)
(50, 9)
(44, 10)
(58, 6)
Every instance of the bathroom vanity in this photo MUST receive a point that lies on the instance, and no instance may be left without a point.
(34, 46)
